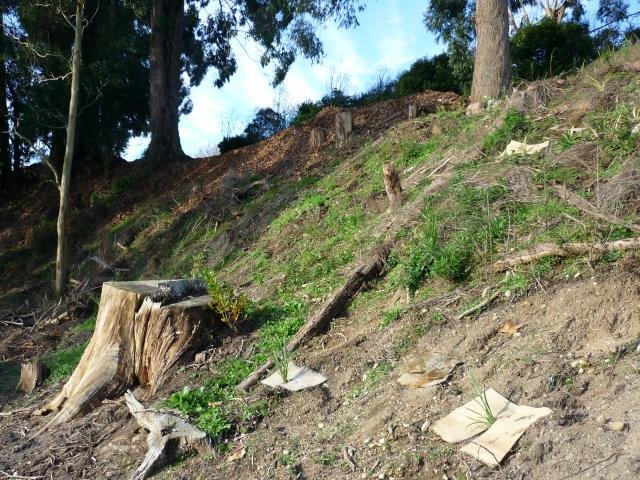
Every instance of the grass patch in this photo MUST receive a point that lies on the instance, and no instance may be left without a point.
(88, 325)
(63, 362)
(515, 125)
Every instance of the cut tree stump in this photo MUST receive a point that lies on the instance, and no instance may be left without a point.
(393, 186)
(317, 138)
(413, 111)
(143, 330)
(169, 438)
(344, 127)
(32, 375)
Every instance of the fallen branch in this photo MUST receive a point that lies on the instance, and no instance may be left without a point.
(479, 306)
(368, 269)
(18, 477)
(169, 438)
(567, 249)
(586, 207)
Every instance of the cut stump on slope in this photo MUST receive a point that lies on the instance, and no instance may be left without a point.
(392, 186)
(32, 375)
(344, 127)
(143, 330)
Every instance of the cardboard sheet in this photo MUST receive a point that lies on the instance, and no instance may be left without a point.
(491, 447)
(427, 370)
(298, 379)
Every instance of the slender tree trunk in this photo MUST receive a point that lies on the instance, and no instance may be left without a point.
(167, 20)
(65, 179)
(5, 154)
(491, 70)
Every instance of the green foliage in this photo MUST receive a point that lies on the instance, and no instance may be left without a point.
(454, 260)
(515, 125)
(428, 74)
(231, 307)
(63, 362)
(390, 316)
(89, 325)
(484, 416)
(422, 257)
(549, 48)
(306, 111)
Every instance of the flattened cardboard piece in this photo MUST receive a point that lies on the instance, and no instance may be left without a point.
(465, 421)
(493, 445)
(427, 370)
(298, 379)
(519, 148)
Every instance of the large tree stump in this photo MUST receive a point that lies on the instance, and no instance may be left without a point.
(317, 138)
(413, 111)
(142, 331)
(344, 127)
(393, 186)
(32, 375)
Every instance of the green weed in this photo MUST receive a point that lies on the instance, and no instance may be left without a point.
(390, 316)
(87, 325)
(63, 362)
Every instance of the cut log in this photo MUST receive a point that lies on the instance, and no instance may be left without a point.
(169, 438)
(566, 249)
(143, 330)
(344, 127)
(369, 268)
(32, 375)
(393, 186)
(317, 138)
(413, 111)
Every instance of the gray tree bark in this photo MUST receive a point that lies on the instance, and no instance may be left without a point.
(491, 70)
(62, 268)
(167, 21)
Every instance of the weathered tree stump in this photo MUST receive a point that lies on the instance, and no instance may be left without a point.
(32, 375)
(393, 186)
(344, 127)
(142, 332)
(317, 138)
(413, 111)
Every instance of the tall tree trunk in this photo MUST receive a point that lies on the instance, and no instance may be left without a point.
(167, 20)
(62, 270)
(5, 154)
(491, 70)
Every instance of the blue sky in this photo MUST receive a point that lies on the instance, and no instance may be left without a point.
(391, 36)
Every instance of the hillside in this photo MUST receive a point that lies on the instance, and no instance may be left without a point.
(285, 226)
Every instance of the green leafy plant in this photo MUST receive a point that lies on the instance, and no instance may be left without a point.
(390, 316)
(225, 302)
(63, 362)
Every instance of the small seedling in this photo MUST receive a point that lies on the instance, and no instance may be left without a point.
(485, 416)
(281, 358)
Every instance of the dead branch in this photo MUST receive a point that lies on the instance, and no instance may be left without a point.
(586, 207)
(169, 438)
(567, 249)
(479, 306)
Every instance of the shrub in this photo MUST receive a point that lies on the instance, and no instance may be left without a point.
(548, 48)
(225, 302)
(428, 74)
(237, 141)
